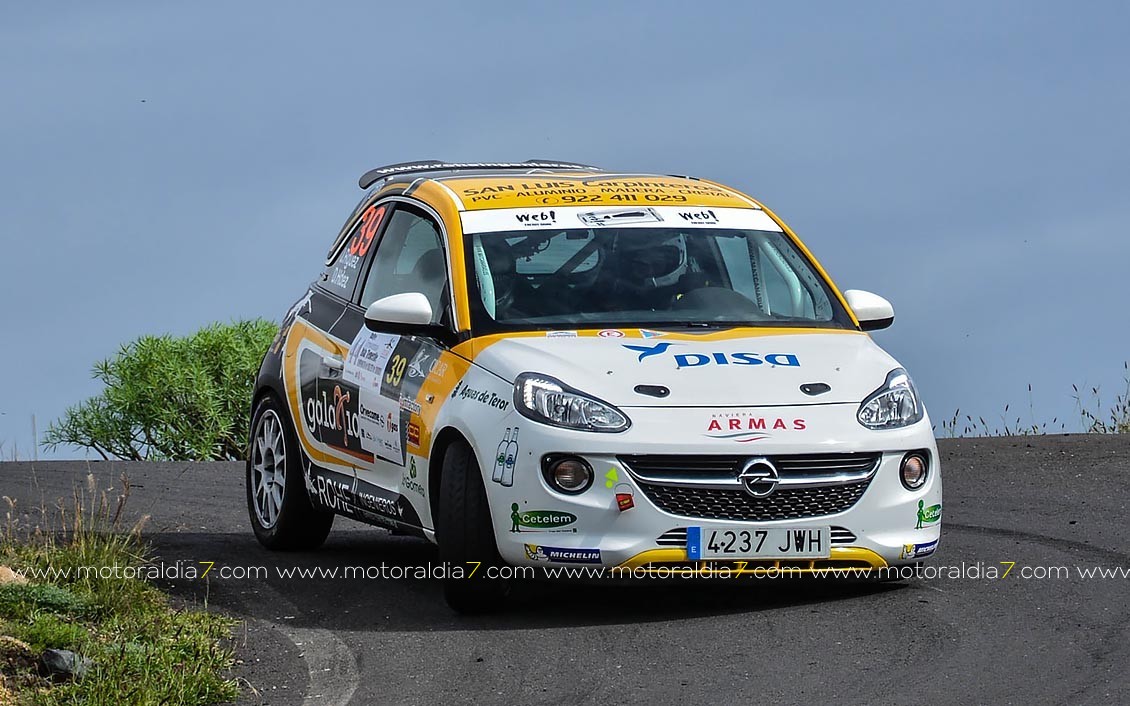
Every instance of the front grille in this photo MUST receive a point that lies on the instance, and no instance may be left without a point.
(678, 537)
(673, 538)
(811, 485)
(789, 504)
(665, 468)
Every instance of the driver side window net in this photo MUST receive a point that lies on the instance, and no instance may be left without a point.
(409, 258)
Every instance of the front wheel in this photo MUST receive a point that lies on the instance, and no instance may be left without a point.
(466, 535)
(281, 513)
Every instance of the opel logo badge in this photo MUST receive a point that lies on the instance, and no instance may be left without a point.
(759, 477)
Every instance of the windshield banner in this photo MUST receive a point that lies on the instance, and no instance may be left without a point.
(582, 217)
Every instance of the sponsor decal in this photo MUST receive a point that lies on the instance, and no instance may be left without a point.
(413, 436)
(428, 166)
(617, 216)
(344, 271)
(560, 334)
(648, 333)
(354, 497)
(426, 363)
(697, 360)
(334, 416)
(917, 551)
(611, 478)
(370, 222)
(648, 351)
(396, 371)
(536, 218)
(540, 520)
(379, 425)
(409, 482)
(611, 333)
(699, 218)
(464, 391)
(496, 212)
(334, 494)
(745, 427)
(409, 405)
(505, 458)
(537, 552)
(347, 498)
(605, 189)
(928, 515)
(368, 357)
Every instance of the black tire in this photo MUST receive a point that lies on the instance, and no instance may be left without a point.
(294, 524)
(466, 535)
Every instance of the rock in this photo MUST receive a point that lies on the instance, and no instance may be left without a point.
(63, 664)
(7, 575)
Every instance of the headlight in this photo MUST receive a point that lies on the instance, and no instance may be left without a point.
(893, 405)
(549, 401)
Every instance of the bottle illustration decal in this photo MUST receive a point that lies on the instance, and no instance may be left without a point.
(500, 458)
(511, 459)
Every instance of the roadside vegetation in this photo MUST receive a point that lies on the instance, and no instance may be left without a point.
(169, 398)
(98, 637)
(1095, 416)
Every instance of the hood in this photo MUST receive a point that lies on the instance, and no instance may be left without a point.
(732, 368)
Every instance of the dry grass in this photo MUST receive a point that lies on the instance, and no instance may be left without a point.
(1094, 415)
(144, 651)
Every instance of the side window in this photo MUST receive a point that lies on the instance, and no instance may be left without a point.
(341, 276)
(409, 258)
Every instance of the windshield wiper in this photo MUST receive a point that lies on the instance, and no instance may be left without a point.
(696, 324)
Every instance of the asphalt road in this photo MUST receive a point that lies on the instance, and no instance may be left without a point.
(1056, 501)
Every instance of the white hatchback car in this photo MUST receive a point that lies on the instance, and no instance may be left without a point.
(546, 364)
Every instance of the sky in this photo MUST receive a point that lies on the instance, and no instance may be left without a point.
(167, 165)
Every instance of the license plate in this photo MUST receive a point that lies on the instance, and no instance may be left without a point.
(769, 543)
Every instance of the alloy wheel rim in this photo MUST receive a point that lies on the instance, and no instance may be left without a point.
(268, 469)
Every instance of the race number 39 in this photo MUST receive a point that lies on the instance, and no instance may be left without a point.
(370, 221)
(396, 370)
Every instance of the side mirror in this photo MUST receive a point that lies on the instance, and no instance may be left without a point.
(873, 311)
(410, 308)
(409, 314)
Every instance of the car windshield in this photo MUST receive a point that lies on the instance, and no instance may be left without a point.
(654, 277)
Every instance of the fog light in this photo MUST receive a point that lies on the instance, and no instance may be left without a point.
(912, 473)
(567, 474)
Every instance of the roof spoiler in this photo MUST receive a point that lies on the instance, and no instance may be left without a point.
(434, 165)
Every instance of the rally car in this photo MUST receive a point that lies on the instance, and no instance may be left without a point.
(547, 364)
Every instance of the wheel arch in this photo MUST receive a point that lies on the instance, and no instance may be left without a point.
(269, 389)
(444, 439)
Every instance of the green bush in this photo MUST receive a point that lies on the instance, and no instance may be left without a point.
(24, 600)
(168, 398)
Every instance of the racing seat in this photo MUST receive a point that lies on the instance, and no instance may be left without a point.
(429, 277)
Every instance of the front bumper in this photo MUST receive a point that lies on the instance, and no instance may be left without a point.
(883, 526)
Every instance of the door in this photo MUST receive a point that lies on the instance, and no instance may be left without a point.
(388, 369)
(324, 399)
